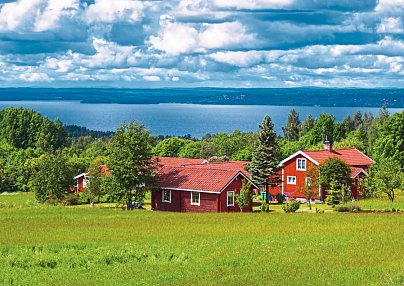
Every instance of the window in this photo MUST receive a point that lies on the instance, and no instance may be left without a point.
(230, 199)
(85, 183)
(166, 196)
(195, 198)
(301, 164)
(309, 181)
(291, 180)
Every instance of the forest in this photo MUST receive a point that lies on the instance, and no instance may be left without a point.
(42, 155)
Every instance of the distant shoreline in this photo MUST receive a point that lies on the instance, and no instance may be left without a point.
(323, 97)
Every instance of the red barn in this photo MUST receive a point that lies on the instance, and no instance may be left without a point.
(295, 166)
(194, 185)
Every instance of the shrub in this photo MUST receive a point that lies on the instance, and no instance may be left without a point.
(71, 199)
(354, 208)
(291, 207)
(280, 198)
(341, 209)
(264, 207)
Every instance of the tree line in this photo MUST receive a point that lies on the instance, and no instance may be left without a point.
(37, 154)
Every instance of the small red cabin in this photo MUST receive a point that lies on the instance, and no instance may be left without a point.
(294, 169)
(83, 179)
(193, 185)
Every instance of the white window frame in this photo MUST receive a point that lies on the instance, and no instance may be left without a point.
(289, 182)
(297, 164)
(227, 201)
(162, 196)
(85, 182)
(199, 199)
(306, 181)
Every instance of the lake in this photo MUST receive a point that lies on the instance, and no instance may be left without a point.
(178, 119)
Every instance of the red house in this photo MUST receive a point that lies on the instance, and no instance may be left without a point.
(294, 168)
(195, 185)
(83, 179)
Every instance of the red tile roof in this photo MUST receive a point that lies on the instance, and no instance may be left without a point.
(356, 171)
(194, 178)
(203, 164)
(352, 156)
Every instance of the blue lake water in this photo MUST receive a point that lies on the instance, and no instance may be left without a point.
(178, 119)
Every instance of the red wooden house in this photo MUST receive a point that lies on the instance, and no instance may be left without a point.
(83, 179)
(294, 169)
(194, 185)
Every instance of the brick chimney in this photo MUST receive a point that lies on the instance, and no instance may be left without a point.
(327, 146)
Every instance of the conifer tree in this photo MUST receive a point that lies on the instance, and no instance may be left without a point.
(292, 129)
(264, 165)
(307, 125)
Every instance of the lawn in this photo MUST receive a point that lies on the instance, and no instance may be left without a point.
(48, 245)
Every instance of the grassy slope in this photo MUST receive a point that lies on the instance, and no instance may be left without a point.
(70, 246)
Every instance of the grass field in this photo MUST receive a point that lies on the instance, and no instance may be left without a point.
(48, 245)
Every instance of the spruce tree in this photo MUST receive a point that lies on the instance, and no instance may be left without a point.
(292, 129)
(264, 165)
(307, 125)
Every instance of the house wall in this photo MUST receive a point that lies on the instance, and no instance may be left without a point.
(209, 202)
(80, 186)
(290, 170)
(234, 186)
(181, 202)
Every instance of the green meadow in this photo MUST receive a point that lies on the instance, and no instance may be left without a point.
(55, 245)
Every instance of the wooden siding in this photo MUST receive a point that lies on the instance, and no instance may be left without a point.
(209, 202)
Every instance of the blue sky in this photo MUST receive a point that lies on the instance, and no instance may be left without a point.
(184, 43)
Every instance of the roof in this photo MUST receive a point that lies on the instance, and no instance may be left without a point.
(80, 175)
(356, 171)
(197, 179)
(351, 156)
(203, 164)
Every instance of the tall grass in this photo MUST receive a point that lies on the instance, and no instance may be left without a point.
(102, 246)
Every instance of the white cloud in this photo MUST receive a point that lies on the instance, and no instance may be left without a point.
(35, 77)
(238, 58)
(36, 15)
(178, 38)
(390, 25)
(14, 15)
(151, 78)
(54, 11)
(389, 5)
(254, 4)
(175, 39)
(108, 11)
(224, 35)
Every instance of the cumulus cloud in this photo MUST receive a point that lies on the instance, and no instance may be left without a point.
(391, 25)
(114, 11)
(178, 38)
(260, 43)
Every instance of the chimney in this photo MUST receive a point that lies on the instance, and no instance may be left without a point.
(327, 146)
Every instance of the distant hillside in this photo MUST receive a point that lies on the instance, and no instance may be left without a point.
(274, 96)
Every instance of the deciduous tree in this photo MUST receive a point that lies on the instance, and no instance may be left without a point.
(385, 176)
(130, 162)
(243, 199)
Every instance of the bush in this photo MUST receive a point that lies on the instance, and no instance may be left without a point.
(354, 208)
(280, 198)
(291, 207)
(342, 209)
(71, 199)
(264, 207)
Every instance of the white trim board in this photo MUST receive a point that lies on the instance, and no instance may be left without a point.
(296, 154)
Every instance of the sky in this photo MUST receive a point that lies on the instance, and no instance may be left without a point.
(218, 43)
